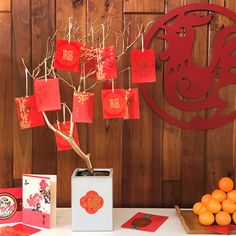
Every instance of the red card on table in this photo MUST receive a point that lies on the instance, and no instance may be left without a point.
(27, 113)
(62, 144)
(83, 106)
(47, 94)
(18, 230)
(143, 66)
(145, 222)
(132, 104)
(67, 55)
(113, 102)
(106, 64)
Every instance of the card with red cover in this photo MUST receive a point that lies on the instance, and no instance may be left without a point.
(106, 64)
(67, 55)
(143, 66)
(113, 103)
(64, 127)
(132, 104)
(47, 94)
(27, 113)
(10, 205)
(83, 107)
(145, 222)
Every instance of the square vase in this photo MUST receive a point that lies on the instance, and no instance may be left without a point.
(92, 201)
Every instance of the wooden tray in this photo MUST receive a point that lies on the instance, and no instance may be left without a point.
(191, 224)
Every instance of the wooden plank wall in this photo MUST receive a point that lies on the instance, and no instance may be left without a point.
(155, 163)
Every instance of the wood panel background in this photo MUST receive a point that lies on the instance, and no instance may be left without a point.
(155, 163)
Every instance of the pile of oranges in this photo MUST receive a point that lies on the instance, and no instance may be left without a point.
(219, 206)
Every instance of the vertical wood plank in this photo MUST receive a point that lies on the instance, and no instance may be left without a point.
(6, 145)
(171, 193)
(5, 5)
(22, 139)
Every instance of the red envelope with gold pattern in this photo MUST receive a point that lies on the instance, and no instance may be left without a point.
(106, 64)
(83, 106)
(143, 66)
(47, 94)
(64, 127)
(132, 104)
(67, 55)
(27, 113)
(113, 103)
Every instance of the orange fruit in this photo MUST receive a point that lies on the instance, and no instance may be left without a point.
(234, 217)
(196, 207)
(229, 206)
(219, 195)
(232, 195)
(202, 209)
(213, 206)
(223, 218)
(226, 184)
(206, 218)
(205, 198)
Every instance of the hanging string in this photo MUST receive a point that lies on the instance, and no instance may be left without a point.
(64, 113)
(142, 41)
(70, 28)
(26, 82)
(129, 78)
(45, 70)
(113, 85)
(103, 36)
(84, 80)
(92, 34)
(58, 123)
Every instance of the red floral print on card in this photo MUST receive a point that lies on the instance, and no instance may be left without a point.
(91, 202)
(132, 104)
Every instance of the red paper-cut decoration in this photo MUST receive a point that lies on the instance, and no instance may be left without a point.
(27, 112)
(64, 127)
(47, 94)
(113, 103)
(187, 85)
(143, 66)
(67, 55)
(132, 104)
(83, 107)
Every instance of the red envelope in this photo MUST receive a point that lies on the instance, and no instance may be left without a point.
(83, 106)
(27, 113)
(145, 222)
(113, 103)
(143, 66)
(47, 94)
(218, 229)
(25, 229)
(132, 104)
(62, 144)
(106, 64)
(67, 55)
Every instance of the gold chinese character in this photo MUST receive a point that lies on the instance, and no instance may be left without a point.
(68, 55)
(114, 103)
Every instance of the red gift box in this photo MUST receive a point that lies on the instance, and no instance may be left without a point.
(132, 104)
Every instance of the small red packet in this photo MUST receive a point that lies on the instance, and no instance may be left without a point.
(27, 113)
(106, 64)
(132, 104)
(64, 127)
(47, 94)
(83, 107)
(143, 66)
(67, 55)
(113, 103)
(145, 222)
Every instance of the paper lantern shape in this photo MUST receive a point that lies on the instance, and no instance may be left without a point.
(27, 113)
(83, 106)
(47, 94)
(132, 104)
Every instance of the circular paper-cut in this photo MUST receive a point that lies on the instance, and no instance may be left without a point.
(8, 206)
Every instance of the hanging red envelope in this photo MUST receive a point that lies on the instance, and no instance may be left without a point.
(132, 104)
(47, 94)
(27, 112)
(113, 102)
(64, 127)
(67, 55)
(106, 63)
(143, 66)
(83, 106)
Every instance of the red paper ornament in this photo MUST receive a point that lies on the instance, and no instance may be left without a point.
(132, 104)
(27, 113)
(47, 94)
(83, 107)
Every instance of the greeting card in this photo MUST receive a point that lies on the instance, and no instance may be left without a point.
(67, 55)
(143, 66)
(145, 222)
(27, 113)
(113, 103)
(47, 94)
(132, 104)
(10, 205)
(83, 106)
(64, 127)
(39, 200)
